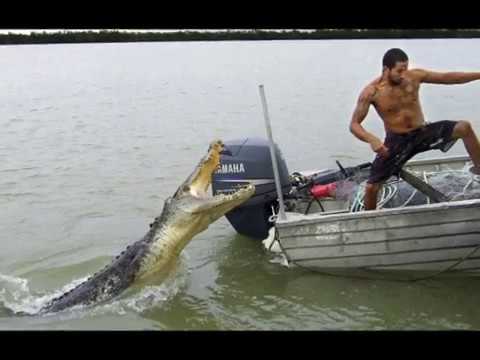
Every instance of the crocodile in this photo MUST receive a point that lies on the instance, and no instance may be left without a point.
(185, 214)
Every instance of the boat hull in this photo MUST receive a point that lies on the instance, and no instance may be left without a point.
(429, 238)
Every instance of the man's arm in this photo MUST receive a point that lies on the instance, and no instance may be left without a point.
(359, 114)
(432, 77)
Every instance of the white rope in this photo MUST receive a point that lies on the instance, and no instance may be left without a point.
(387, 193)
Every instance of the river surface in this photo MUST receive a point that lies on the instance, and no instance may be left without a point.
(94, 137)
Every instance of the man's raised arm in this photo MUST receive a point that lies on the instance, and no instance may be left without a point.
(432, 77)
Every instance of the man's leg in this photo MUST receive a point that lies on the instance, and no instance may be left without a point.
(463, 130)
(371, 192)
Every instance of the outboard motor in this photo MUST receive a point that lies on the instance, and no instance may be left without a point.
(248, 161)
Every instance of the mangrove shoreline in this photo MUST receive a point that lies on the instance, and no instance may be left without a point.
(109, 36)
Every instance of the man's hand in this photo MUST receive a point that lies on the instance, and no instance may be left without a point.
(379, 147)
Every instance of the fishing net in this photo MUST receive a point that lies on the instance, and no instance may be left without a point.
(455, 184)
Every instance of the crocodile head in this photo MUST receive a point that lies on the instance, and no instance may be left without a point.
(191, 209)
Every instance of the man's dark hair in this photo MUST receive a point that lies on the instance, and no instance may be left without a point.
(393, 56)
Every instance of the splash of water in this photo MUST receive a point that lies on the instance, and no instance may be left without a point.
(17, 298)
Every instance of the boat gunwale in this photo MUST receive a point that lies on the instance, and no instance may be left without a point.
(301, 219)
(438, 160)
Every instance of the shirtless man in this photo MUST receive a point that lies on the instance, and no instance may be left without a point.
(395, 97)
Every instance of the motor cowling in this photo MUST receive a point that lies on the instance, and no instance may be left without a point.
(246, 161)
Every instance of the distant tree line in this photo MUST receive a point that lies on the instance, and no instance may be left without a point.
(122, 36)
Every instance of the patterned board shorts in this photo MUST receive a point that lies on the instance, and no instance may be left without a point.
(402, 147)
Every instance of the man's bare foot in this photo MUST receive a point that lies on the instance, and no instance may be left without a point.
(474, 170)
